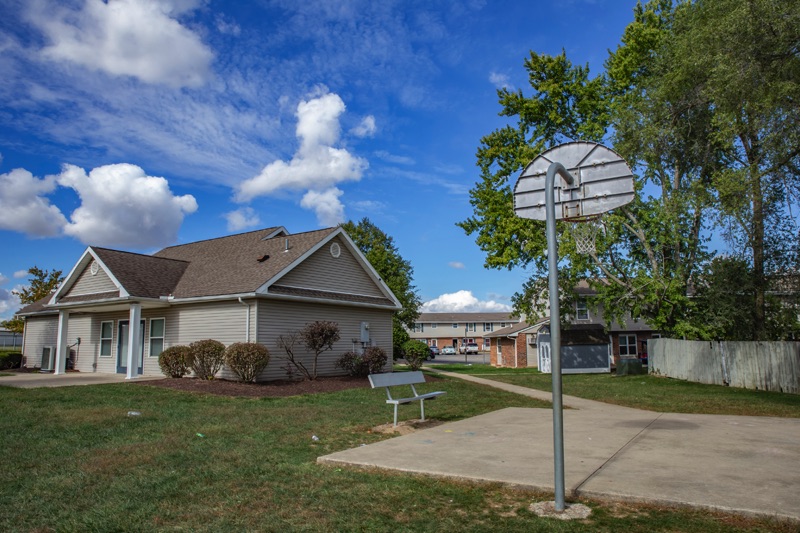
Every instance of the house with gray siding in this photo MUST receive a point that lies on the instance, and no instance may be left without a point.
(117, 311)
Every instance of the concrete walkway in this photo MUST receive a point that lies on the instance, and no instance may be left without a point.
(748, 465)
(34, 380)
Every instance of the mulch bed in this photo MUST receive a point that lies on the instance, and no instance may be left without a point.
(265, 389)
(268, 389)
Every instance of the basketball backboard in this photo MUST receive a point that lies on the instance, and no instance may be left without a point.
(603, 181)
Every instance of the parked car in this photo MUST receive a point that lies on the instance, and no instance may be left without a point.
(448, 350)
(469, 348)
(434, 352)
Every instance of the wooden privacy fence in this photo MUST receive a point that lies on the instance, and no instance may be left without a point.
(772, 366)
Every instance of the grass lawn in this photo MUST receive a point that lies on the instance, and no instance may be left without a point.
(649, 392)
(74, 460)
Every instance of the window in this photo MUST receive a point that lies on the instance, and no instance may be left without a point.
(502, 324)
(106, 334)
(627, 345)
(471, 327)
(434, 325)
(419, 327)
(455, 326)
(487, 343)
(581, 310)
(488, 326)
(433, 342)
(156, 336)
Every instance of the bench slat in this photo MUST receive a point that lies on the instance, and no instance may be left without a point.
(390, 379)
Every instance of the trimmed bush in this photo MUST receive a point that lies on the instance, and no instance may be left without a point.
(174, 361)
(416, 353)
(10, 360)
(206, 358)
(246, 359)
(371, 361)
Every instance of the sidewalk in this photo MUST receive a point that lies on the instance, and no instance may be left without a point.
(33, 380)
(748, 465)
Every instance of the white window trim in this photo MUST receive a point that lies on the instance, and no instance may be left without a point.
(434, 325)
(628, 345)
(110, 339)
(581, 306)
(150, 337)
(455, 326)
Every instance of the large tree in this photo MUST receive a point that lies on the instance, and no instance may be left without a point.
(383, 255)
(42, 283)
(742, 60)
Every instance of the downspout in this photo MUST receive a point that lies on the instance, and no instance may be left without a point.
(247, 322)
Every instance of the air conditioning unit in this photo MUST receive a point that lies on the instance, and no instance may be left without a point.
(48, 358)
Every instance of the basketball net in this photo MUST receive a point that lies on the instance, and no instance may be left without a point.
(583, 231)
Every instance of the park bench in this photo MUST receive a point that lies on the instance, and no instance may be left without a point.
(394, 379)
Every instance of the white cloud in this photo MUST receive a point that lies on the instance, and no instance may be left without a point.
(316, 166)
(391, 158)
(229, 28)
(24, 208)
(20, 274)
(456, 264)
(9, 304)
(462, 302)
(139, 38)
(326, 205)
(500, 81)
(122, 206)
(3, 279)
(369, 206)
(366, 128)
(243, 218)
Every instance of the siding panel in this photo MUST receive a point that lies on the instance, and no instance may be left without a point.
(324, 272)
(89, 284)
(39, 332)
(279, 317)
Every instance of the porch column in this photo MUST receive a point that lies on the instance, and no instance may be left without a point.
(62, 343)
(134, 335)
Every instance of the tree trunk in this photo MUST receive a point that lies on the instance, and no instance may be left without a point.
(759, 312)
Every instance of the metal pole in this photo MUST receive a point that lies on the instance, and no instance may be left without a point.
(555, 329)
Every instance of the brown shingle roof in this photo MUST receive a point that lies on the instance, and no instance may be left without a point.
(143, 276)
(236, 264)
(326, 295)
(37, 307)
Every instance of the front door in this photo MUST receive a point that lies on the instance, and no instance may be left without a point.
(122, 347)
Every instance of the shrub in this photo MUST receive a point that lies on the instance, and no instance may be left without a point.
(10, 360)
(206, 358)
(246, 359)
(415, 353)
(371, 361)
(316, 337)
(174, 361)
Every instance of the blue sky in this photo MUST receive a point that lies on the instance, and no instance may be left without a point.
(137, 124)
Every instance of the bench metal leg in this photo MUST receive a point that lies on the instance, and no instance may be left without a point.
(395, 415)
(422, 409)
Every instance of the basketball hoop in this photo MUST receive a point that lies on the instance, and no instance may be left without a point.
(583, 231)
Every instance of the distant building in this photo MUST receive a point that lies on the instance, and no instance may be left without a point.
(453, 329)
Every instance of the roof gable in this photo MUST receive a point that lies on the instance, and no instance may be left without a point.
(239, 264)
